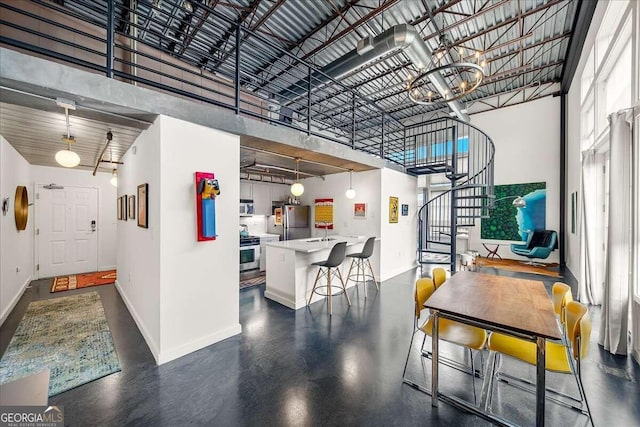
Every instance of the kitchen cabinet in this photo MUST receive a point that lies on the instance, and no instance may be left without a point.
(246, 190)
(263, 250)
(261, 199)
(263, 194)
(280, 193)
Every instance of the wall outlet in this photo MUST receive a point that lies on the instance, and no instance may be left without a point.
(17, 269)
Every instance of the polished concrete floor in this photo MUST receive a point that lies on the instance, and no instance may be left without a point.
(304, 368)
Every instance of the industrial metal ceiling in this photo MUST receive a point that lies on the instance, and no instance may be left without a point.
(523, 41)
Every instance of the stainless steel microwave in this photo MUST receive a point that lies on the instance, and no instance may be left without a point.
(246, 207)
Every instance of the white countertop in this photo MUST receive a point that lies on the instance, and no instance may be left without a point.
(266, 235)
(313, 244)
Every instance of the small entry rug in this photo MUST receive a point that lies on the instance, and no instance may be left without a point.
(515, 265)
(69, 336)
(85, 280)
(254, 281)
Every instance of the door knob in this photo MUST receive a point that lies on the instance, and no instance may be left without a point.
(93, 225)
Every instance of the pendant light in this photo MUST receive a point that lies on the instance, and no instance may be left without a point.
(114, 178)
(67, 158)
(297, 188)
(351, 193)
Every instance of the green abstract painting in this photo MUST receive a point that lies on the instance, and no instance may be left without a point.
(508, 222)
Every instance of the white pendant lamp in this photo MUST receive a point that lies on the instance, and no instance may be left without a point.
(297, 188)
(67, 158)
(114, 178)
(351, 193)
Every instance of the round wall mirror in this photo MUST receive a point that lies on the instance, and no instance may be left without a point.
(21, 207)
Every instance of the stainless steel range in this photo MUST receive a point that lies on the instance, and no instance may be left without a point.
(249, 253)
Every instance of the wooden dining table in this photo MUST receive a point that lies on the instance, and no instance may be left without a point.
(518, 307)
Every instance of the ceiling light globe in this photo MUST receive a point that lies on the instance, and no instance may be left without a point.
(114, 181)
(67, 158)
(297, 189)
(350, 194)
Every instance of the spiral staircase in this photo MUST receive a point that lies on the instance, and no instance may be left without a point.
(464, 155)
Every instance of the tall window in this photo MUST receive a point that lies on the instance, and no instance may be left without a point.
(607, 85)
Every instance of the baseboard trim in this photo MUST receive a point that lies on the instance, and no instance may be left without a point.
(197, 344)
(636, 355)
(396, 272)
(153, 347)
(107, 268)
(14, 301)
(281, 299)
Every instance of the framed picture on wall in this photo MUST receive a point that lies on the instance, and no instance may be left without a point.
(405, 210)
(119, 208)
(132, 207)
(360, 210)
(143, 202)
(125, 200)
(393, 210)
(574, 202)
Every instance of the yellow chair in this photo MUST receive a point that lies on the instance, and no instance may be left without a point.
(561, 296)
(448, 330)
(439, 276)
(558, 358)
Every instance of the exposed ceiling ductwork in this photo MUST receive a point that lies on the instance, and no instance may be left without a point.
(400, 38)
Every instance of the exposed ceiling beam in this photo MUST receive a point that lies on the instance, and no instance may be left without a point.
(308, 35)
(246, 12)
(196, 28)
(496, 26)
(246, 34)
(492, 80)
(386, 4)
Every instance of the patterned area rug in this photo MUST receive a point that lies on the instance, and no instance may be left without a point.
(254, 281)
(69, 336)
(550, 269)
(78, 281)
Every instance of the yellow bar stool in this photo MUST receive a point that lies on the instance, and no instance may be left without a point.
(361, 262)
(327, 269)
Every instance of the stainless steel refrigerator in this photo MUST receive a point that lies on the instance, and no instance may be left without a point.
(295, 223)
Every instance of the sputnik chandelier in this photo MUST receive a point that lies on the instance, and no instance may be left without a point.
(455, 73)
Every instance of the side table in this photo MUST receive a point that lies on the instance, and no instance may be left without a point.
(492, 253)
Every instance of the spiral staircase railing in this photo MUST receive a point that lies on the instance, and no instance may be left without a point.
(464, 155)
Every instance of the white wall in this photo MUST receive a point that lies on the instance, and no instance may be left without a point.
(399, 241)
(43, 175)
(367, 186)
(199, 283)
(527, 142)
(182, 293)
(138, 255)
(16, 247)
(395, 252)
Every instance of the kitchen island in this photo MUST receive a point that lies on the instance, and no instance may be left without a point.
(290, 275)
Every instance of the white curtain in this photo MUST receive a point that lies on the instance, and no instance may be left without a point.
(588, 290)
(614, 324)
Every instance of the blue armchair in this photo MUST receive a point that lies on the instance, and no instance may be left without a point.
(539, 245)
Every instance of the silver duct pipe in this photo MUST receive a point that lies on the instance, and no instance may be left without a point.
(402, 37)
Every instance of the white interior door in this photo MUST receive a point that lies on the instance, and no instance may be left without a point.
(67, 230)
